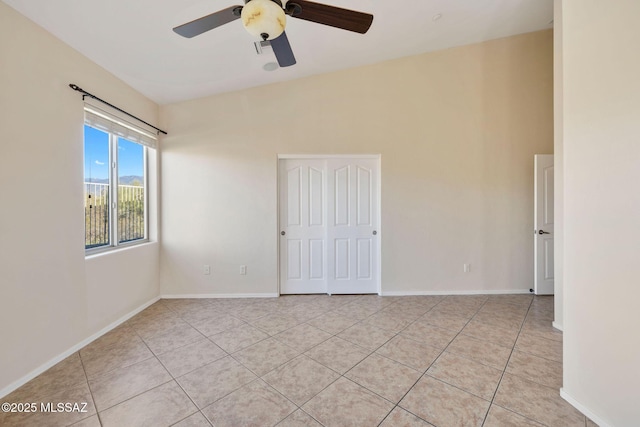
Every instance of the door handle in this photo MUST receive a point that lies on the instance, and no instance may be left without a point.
(543, 232)
(283, 233)
(375, 232)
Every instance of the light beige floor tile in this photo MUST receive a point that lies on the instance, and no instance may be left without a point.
(252, 312)
(409, 352)
(172, 339)
(518, 300)
(338, 354)
(273, 324)
(163, 405)
(481, 351)
(389, 321)
(265, 356)
(157, 308)
(357, 310)
(429, 334)
(300, 379)
(213, 381)
(536, 369)
(216, 324)
(92, 421)
(384, 377)
(537, 402)
(126, 353)
(500, 417)
(543, 319)
(302, 337)
(192, 356)
(117, 336)
(79, 394)
(401, 418)
(299, 419)
(467, 308)
(475, 378)
(443, 405)
(305, 312)
(475, 300)
(203, 312)
(424, 300)
(195, 420)
(332, 322)
(463, 302)
(157, 325)
(345, 403)
(406, 311)
(374, 300)
(499, 320)
(328, 303)
(548, 349)
(542, 323)
(444, 319)
(504, 310)
(67, 374)
(238, 338)
(426, 325)
(184, 305)
(366, 335)
(121, 384)
(255, 404)
(496, 335)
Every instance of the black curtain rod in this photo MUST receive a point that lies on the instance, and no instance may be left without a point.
(85, 94)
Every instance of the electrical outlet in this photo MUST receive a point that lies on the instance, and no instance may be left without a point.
(466, 268)
(243, 269)
(206, 270)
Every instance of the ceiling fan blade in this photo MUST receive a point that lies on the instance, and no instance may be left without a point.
(282, 49)
(345, 19)
(209, 22)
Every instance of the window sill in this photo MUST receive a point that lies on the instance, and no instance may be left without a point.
(97, 253)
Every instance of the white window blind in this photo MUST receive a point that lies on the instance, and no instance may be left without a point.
(100, 119)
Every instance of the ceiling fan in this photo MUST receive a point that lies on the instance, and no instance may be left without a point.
(267, 19)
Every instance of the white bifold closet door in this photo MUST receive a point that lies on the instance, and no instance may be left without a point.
(329, 225)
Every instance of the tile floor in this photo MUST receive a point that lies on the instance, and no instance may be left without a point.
(354, 360)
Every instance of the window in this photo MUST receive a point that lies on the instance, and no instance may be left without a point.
(115, 181)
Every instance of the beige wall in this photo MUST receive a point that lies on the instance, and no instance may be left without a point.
(456, 129)
(602, 209)
(50, 298)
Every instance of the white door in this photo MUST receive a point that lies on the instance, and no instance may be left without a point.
(543, 219)
(329, 235)
(352, 229)
(302, 226)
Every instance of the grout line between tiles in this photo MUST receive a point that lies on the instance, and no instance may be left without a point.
(434, 361)
(86, 377)
(507, 364)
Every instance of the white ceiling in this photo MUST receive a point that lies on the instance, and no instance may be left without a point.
(134, 39)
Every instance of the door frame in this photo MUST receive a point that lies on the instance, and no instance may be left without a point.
(377, 157)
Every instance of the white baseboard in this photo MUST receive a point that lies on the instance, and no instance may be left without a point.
(59, 358)
(479, 292)
(557, 325)
(190, 296)
(580, 407)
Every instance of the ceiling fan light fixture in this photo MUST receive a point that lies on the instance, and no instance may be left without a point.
(263, 18)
